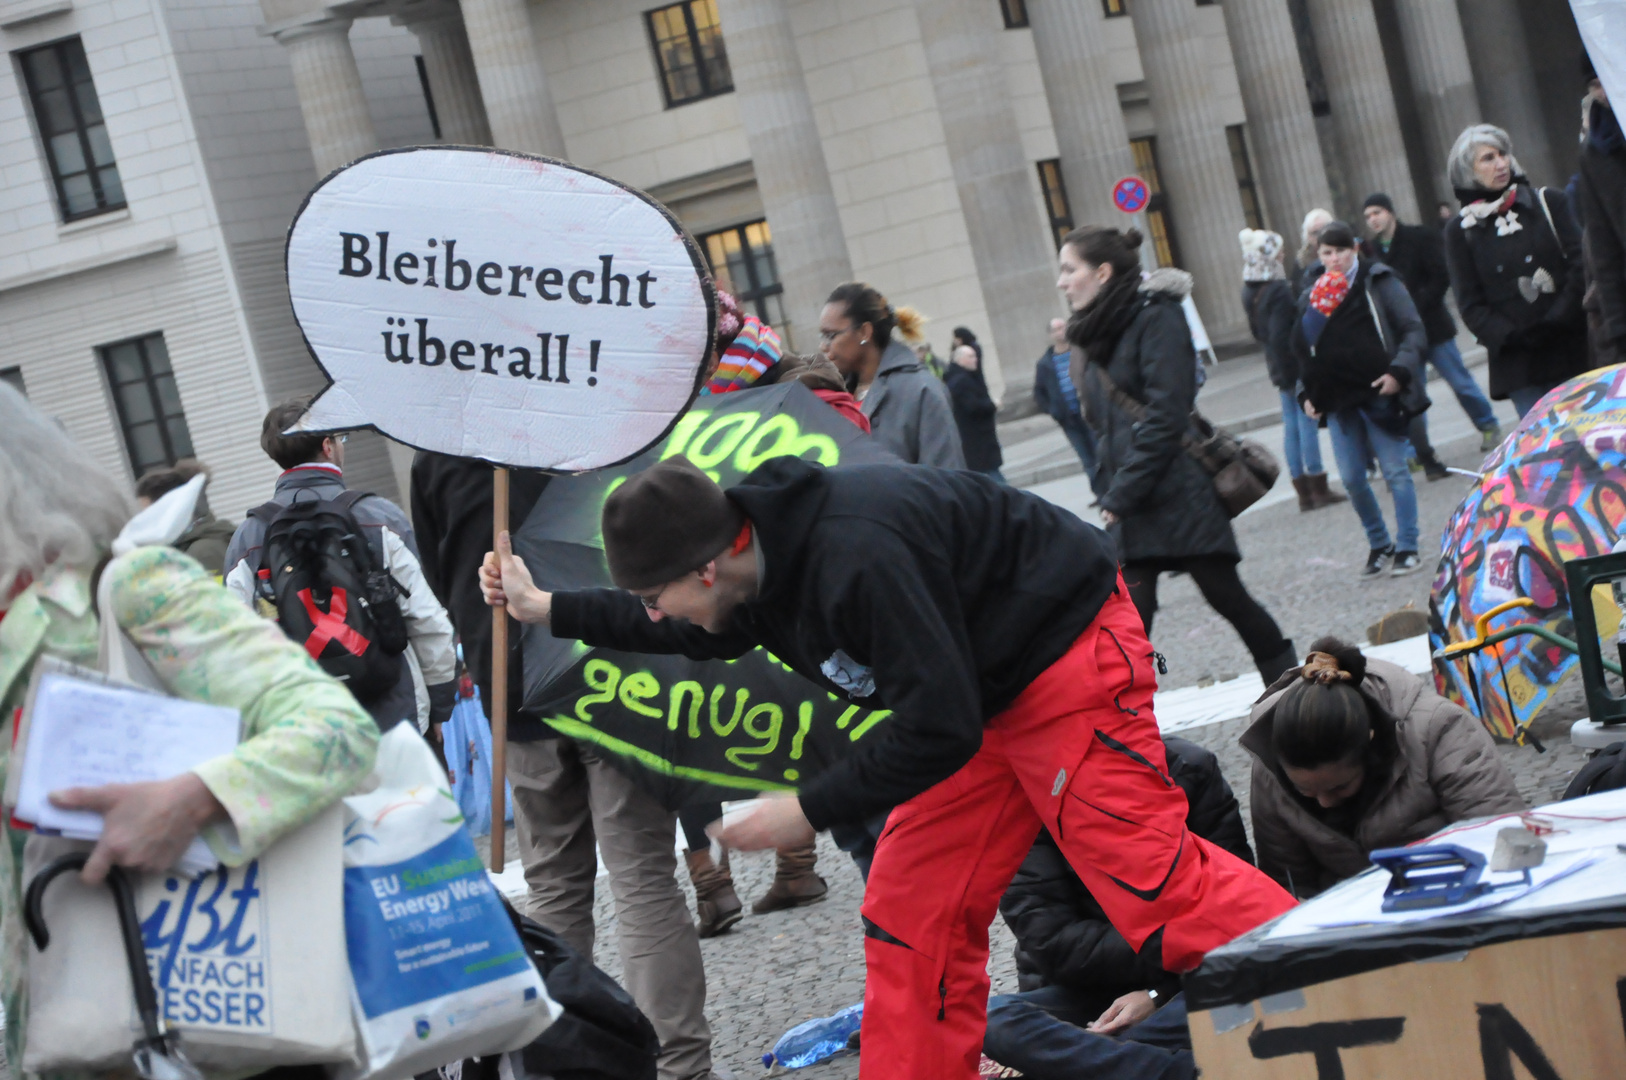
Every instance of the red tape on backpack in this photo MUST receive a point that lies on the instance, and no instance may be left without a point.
(330, 625)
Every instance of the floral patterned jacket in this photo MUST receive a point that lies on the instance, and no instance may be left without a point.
(306, 743)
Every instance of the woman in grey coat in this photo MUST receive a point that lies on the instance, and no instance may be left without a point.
(909, 408)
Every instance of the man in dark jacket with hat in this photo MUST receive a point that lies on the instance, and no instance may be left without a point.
(1083, 987)
(1603, 210)
(995, 628)
(1417, 254)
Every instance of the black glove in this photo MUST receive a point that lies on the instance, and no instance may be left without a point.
(442, 697)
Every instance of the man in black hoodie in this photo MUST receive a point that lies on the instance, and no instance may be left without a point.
(995, 628)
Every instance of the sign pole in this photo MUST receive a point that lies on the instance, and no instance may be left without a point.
(499, 688)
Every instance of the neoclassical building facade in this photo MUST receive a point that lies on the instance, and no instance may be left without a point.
(154, 152)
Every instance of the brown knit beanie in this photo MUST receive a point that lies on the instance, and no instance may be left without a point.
(664, 522)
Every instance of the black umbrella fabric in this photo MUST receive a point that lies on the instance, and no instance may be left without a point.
(691, 731)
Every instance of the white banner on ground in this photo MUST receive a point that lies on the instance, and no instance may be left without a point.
(496, 305)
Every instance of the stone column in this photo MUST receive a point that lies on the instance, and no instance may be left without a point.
(1010, 241)
(1194, 159)
(776, 111)
(1287, 151)
(329, 88)
(1442, 81)
(340, 130)
(450, 65)
(1364, 115)
(1508, 95)
(518, 103)
(1074, 63)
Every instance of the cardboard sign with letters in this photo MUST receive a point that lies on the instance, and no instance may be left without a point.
(496, 305)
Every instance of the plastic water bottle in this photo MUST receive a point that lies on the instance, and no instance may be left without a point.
(815, 1040)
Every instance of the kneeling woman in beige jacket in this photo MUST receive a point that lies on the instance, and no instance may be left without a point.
(1351, 755)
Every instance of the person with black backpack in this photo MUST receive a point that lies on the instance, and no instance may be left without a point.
(338, 570)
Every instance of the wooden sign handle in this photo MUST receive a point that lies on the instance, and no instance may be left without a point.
(499, 688)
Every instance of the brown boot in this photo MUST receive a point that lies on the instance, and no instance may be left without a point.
(1321, 493)
(1302, 485)
(794, 882)
(715, 902)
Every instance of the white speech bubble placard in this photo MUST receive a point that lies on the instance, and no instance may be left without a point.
(496, 305)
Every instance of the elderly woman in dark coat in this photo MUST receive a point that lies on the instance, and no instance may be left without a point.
(1514, 253)
(1136, 373)
(974, 408)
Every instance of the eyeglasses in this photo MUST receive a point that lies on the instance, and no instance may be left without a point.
(344, 438)
(653, 603)
(827, 336)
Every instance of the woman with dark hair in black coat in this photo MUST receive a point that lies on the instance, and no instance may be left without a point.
(1515, 259)
(1136, 373)
(974, 408)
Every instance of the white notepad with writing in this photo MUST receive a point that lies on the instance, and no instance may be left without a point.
(86, 732)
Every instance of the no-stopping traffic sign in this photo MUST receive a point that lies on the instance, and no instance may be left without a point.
(1131, 194)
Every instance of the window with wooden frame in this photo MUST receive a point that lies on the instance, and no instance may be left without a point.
(742, 262)
(1157, 207)
(148, 404)
(69, 117)
(1115, 8)
(688, 43)
(1054, 187)
(1236, 137)
(1015, 12)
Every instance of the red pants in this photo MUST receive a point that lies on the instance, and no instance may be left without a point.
(1078, 752)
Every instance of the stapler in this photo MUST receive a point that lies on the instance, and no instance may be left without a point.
(1440, 875)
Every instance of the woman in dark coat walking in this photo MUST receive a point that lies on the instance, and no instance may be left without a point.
(974, 409)
(1160, 506)
(1514, 253)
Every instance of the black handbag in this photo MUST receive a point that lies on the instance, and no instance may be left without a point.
(1242, 470)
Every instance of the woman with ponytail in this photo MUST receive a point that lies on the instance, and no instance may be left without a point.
(1352, 755)
(908, 407)
(1136, 374)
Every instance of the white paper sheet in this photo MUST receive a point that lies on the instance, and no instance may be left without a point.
(87, 734)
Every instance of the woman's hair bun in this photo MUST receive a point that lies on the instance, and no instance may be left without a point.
(1133, 238)
(1349, 658)
(911, 324)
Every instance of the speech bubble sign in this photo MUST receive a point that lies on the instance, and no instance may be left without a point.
(497, 305)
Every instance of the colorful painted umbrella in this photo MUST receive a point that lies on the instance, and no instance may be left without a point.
(691, 731)
(1555, 490)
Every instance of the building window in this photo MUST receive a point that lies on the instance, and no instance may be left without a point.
(1157, 207)
(742, 262)
(1114, 8)
(69, 116)
(148, 404)
(428, 95)
(13, 377)
(1055, 198)
(1243, 167)
(1015, 12)
(688, 42)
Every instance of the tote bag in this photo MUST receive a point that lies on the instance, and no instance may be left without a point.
(248, 962)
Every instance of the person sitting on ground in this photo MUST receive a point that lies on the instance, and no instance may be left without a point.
(313, 471)
(1354, 754)
(305, 742)
(207, 537)
(1083, 987)
(908, 408)
(974, 409)
(1268, 302)
(1359, 343)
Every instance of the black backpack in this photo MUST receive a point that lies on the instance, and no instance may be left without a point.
(1605, 772)
(330, 593)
